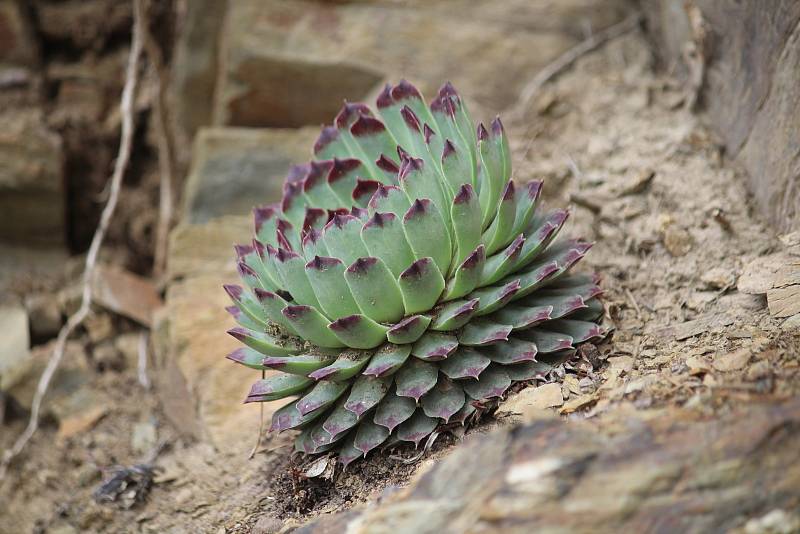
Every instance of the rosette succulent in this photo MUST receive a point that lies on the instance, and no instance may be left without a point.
(404, 278)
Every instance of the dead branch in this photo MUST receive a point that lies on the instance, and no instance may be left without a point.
(553, 69)
(166, 160)
(123, 157)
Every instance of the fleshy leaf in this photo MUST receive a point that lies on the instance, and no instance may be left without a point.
(454, 314)
(433, 346)
(546, 341)
(467, 275)
(527, 370)
(302, 364)
(444, 400)
(494, 382)
(499, 233)
(339, 421)
(366, 393)
(346, 366)
(265, 343)
(408, 330)
(465, 363)
(494, 297)
(326, 276)
(421, 286)
(310, 324)
(342, 237)
(415, 378)
(579, 331)
(359, 331)
(483, 332)
(247, 357)
(321, 395)
(288, 416)
(369, 435)
(393, 410)
(384, 237)
(387, 360)
(427, 234)
(513, 351)
(417, 428)
(374, 289)
(277, 387)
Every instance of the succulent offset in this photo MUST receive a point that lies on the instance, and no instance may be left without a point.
(403, 278)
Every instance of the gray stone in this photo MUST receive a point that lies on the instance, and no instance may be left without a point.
(234, 169)
(750, 89)
(31, 183)
(14, 349)
(335, 51)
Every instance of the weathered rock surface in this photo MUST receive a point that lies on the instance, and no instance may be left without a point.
(335, 51)
(234, 169)
(201, 390)
(17, 43)
(14, 353)
(664, 475)
(31, 188)
(750, 52)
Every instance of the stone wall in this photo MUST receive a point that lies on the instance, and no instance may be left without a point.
(750, 54)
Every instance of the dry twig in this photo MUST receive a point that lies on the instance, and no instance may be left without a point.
(123, 157)
(566, 59)
(165, 150)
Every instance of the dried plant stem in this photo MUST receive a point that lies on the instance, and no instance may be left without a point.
(553, 69)
(144, 380)
(123, 157)
(165, 151)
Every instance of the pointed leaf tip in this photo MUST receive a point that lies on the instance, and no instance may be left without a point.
(410, 118)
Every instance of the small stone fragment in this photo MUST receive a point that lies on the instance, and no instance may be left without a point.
(732, 361)
(532, 403)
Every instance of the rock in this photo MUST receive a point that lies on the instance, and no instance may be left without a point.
(17, 42)
(202, 248)
(759, 274)
(98, 326)
(533, 402)
(81, 422)
(776, 521)
(128, 347)
(14, 349)
(126, 294)
(267, 525)
(44, 316)
(718, 278)
(783, 298)
(194, 68)
(106, 357)
(83, 23)
(144, 437)
(234, 169)
(271, 62)
(71, 376)
(732, 361)
(662, 473)
(677, 241)
(31, 182)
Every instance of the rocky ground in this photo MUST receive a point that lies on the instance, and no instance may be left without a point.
(705, 340)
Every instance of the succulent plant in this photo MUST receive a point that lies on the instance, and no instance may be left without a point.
(404, 277)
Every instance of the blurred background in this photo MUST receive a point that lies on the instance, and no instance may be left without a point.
(670, 126)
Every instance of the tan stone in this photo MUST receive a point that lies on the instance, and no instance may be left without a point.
(732, 361)
(533, 402)
(14, 349)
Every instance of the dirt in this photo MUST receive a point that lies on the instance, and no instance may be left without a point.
(672, 227)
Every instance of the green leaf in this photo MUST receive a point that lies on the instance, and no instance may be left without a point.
(326, 276)
(415, 378)
(427, 234)
(541, 232)
(465, 212)
(527, 371)
(527, 199)
(369, 435)
(454, 314)
(321, 395)
(593, 311)
(374, 140)
(444, 400)
(277, 387)
(499, 234)
(421, 285)
(389, 199)
(245, 301)
(243, 319)
(366, 393)
(467, 275)
(348, 453)
(522, 316)
(384, 238)
(457, 169)
(393, 410)
(346, 366)
(359, 331)
(417, 428)
(464, 363)
(311, 325)
(339, 421)
(291, 267)
(513, 351)
(579, 331)
(288, 416)
(249, 358)
(266, 218)
(421, 181)
(408, 330)
(433, 346)
(273, 306)
(493, 382)
(342, 238)
(494, 297)
(545, 340)
(482, 332)
(302, 364)
(374, 289)
(502, 263)
(387, 360)
(265, 343)
(315, 186)
(342, 179)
